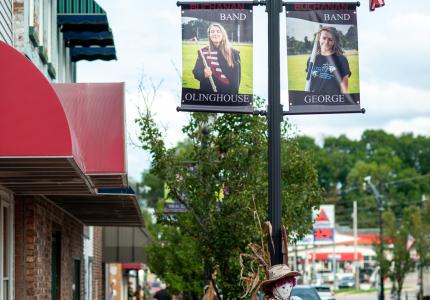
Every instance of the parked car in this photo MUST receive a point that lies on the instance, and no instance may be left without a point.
(305, 292)
(346, 282)
(325, 292)
(155, 287)
(326, 276)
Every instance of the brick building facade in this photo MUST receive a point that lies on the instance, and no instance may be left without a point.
(52, 204)
(36, 222)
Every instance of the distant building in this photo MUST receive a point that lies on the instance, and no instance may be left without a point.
(318, 261)
(62, 151)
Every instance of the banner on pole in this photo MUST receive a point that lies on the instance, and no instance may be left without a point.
(322, 53)
(323, 227)
(217, 57)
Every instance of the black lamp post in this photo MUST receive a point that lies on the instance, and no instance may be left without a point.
(274, 115)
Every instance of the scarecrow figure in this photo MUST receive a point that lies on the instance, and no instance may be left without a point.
(280, 283)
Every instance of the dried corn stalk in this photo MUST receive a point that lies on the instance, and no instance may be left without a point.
(254, 266)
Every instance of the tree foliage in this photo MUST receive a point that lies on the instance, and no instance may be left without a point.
(398, 165)
(401, 262)
(399, 168)
(223, 168)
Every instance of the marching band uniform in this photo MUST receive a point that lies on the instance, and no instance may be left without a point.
(226, 78)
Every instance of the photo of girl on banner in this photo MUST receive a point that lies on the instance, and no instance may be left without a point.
(322, 51)
(328, 70)
(218, 65)
(217, 57)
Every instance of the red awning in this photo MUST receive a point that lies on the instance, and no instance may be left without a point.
(95, 112)
(340, 256)
(63, 140)
(33, 122)
(133, 266)
(36, 154)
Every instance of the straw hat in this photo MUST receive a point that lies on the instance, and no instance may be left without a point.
(277, 272)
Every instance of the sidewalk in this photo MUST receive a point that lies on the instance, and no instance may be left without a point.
(408, 291)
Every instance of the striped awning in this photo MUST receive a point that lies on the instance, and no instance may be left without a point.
(79, 7)
(86, 30)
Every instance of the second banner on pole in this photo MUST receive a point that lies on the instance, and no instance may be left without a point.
(322, 52)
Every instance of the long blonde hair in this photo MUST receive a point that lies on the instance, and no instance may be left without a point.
(224, 46)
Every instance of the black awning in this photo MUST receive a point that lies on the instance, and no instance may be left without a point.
(92, 53)
(88, 38)
(81, 23)
(84, 24)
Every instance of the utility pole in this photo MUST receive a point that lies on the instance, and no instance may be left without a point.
(274, 115)
(356, 266)
(421, 275)
(380, 203)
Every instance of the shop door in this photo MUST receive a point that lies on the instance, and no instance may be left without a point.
(56, 265)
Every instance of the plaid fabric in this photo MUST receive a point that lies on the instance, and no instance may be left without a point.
(213, 59)
(373, 4)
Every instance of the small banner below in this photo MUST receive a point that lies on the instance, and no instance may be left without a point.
(217, 57)
(322, 53)
(174, 207)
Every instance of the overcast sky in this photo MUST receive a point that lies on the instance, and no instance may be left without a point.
(394, 45)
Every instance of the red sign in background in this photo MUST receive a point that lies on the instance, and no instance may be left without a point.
(323, 234)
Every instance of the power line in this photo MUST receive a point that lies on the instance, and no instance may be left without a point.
(408, 179)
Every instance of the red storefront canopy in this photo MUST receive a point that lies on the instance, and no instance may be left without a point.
(62, 139)
(95, 114)
(340, 256)
(133, 266)
(75, 131)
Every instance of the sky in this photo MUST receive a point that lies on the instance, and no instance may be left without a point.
(394, 53)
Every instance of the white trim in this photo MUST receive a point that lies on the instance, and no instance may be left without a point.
(41, 19)
(6, 201)
(31, 12)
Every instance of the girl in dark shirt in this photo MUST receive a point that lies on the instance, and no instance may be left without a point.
(330, 71)
(218, 64)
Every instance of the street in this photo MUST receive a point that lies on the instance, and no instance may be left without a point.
(407, 295)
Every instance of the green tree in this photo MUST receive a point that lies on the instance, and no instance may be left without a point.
(151, 188)
(401, 262)
(226, 167)
(418, 223)
(399, 167)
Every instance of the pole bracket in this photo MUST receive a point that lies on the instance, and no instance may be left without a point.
(253, 3)
(360, 111)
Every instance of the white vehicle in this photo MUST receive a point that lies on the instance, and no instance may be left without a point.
(325, 292)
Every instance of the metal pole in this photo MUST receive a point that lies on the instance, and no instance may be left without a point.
(381, 235)
(334, 264)
(206, 267)
(356, 266)
(273, 8)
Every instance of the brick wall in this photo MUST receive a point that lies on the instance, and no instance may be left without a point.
(35, 219)
(98, 291)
